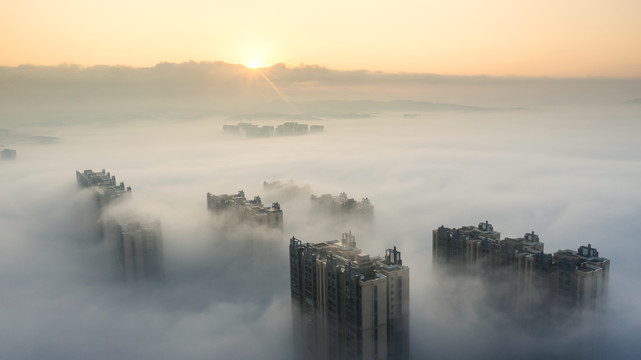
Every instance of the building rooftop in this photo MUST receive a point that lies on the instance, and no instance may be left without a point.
(243, 210)
(104, 184)
(343, 205)
(348, 255)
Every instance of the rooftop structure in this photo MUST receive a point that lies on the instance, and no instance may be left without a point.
(104, 184)
(348, 305)
(567, 278)
(238, 208)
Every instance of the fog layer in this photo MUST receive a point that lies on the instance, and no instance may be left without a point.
(571, 175)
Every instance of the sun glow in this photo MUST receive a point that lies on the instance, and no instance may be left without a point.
(254, 64)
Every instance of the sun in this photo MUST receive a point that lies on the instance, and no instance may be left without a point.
(254, 64)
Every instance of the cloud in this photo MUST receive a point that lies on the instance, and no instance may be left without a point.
(108, 94)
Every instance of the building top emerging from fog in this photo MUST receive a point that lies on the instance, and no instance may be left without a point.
(567, 278)
(104, 184)
(348, 305)
(136, 246)
(8, 154)
(238, 208)
(286, 189)
(343, 205)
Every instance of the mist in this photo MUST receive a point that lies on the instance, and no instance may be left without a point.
(569, 173)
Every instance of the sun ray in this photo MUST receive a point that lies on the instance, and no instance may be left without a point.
(278, 91)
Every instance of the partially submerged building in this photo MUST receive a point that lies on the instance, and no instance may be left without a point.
(565, 279)
(249, 130)
(103, 184)
(342, 206)
(137, 249)
(348, 305)
(8, 154)
(285, 129)
(135, 246)
(291, 128)
(236, 208)
(288, 190)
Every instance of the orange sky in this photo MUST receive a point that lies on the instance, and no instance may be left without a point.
(493, 37)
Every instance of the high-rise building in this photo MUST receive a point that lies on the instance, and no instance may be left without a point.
(582, 277)
(565, 279)
(238, 208)
(343, 206)
(348, 305)
(8, 154)
(286, 190)
(136, 246)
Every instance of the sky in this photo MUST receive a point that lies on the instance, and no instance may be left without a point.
(573, 38)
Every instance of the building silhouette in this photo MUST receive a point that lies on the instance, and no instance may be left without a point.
(136, 246)
(291, 128)
(104, 185)
(137, 249)
(346, 304)
(8, 154)
(343, 206)
(237, 208)
(559, 281)
(249, 130)
(286, 129)
(286, 190)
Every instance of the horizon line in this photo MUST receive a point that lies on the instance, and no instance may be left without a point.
(288, 66)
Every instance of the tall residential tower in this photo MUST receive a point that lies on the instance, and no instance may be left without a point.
(348, 305)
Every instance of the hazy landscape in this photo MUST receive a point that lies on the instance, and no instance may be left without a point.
(560, 157)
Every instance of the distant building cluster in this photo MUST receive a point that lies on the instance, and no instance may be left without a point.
(348, 305)
(8, 154)
(285, 129)
(342, 205)
(238, 208)
(565, 279)
(136, 246)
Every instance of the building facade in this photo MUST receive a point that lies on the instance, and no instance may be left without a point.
(346, 304)
(135, 246)
(137, 249)
(8, 154)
